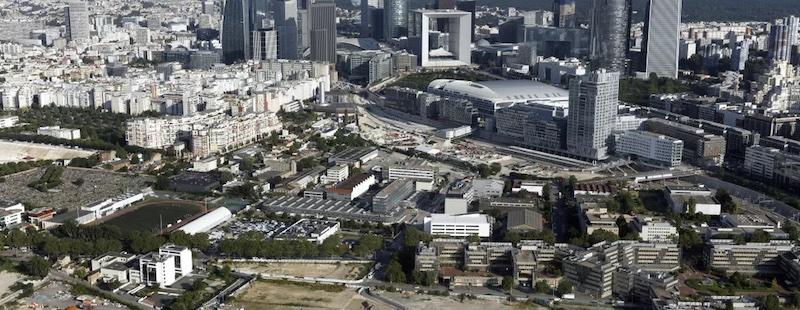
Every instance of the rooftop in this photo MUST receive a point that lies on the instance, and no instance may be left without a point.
(503, 90)
(475, 219)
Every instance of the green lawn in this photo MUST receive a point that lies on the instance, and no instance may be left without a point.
(147, 218)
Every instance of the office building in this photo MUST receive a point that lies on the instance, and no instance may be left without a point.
(390, 197)
(458, 51)
(423, 174)
(649, 148)
(682, 199)
(351, 188)
(368, 26)
(323, 30)
(286, 24)
(565, 14)
(336, 174)
(640, 285)
(470, 6)
(653, 229)
(699, 147)
(458, 198)
(265, 44)
(748, 258)
(365, 67)
(759, 162)
(76, 17)
(395, 19)
(661, 35)
(488, 188)
(782, 36)
(458, 225)
(157, 269)
(610, 30)
(593, 104)
(182, 257)
(235, 35)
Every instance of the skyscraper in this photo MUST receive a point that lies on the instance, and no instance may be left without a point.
(782, 36)
(323, 30)
(564, 11)
(610, 30)
(395, 19)
(285, 16)
(76, 15)
(259, 11)
(265, 44)
(593, 104)
(235, 31)
(662, 37)
(739, 55)
(367, 7)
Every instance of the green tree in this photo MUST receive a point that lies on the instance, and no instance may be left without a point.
(759, 236)
(36, 267)
(564, 287)
(367, 244)
(771, 302)
(508, 283)
(394, 272)
(542, 287)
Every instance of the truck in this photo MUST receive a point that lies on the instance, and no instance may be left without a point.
(568, 296)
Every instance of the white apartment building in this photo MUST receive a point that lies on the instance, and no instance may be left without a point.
(651, 229)
(58, 132)
(458, 225)
(649, 148)
(10, 214)
(231, 133)
(161, 132)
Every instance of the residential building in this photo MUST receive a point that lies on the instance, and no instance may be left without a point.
(10, 214)
(759, 161)
(60, 133)
(593, 104)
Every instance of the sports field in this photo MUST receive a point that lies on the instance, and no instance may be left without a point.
(149, 216)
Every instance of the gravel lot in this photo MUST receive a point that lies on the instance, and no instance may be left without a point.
(24, 151)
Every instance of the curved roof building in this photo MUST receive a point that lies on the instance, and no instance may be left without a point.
(207, 221)
(488, 96)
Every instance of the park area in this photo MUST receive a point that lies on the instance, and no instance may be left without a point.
(277, 294)
(323, 270)
(149, 216)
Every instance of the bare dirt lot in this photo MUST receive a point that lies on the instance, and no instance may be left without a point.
(56, 295)
(274, 295)
(428, 302)
(24, 151)
(332, 271)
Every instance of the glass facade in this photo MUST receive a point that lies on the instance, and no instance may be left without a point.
(611, 24)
